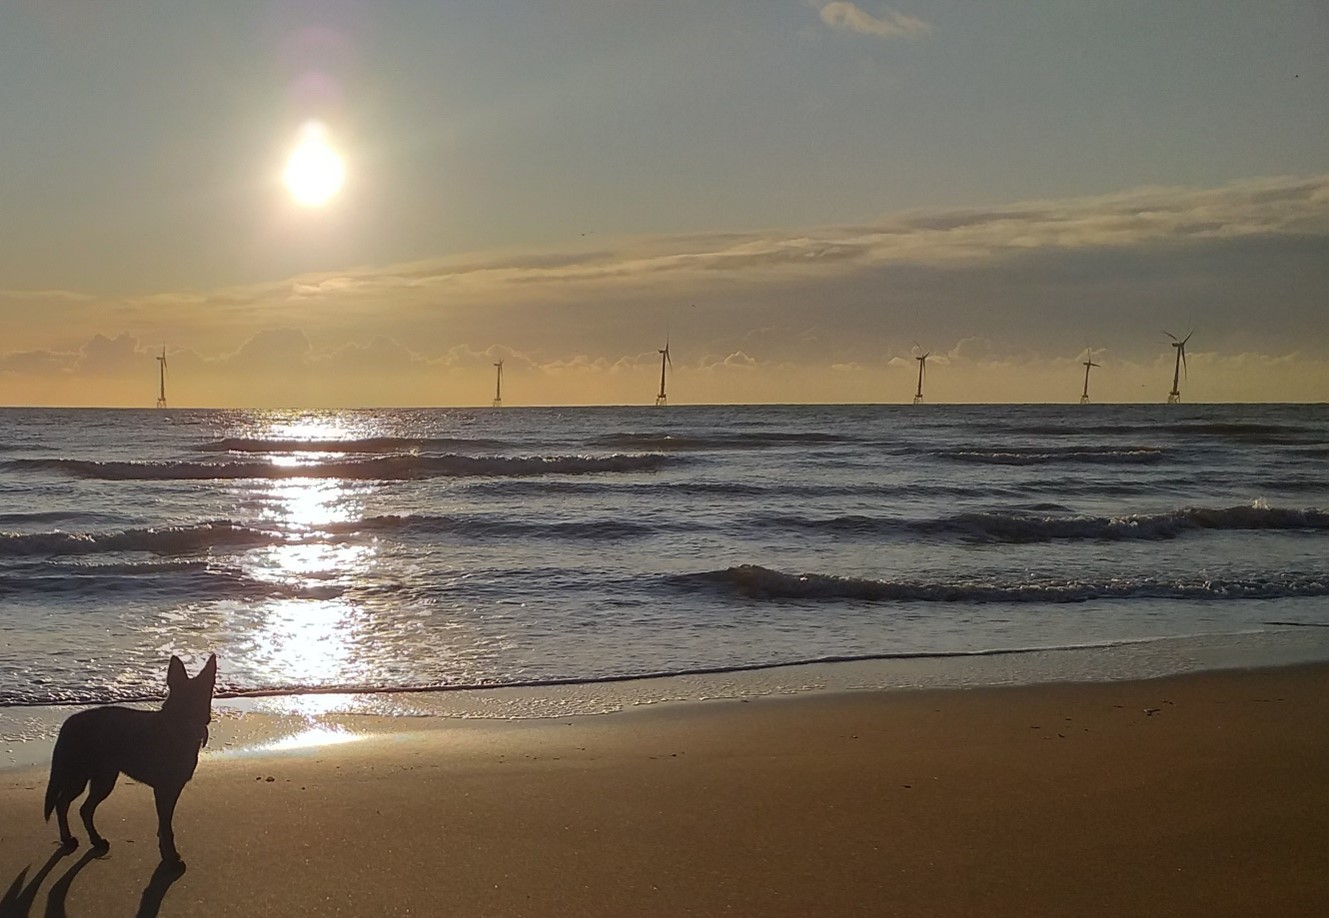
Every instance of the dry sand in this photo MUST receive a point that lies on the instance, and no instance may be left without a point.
(1199, 795)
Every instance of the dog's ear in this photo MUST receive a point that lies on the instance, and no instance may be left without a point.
(175, 674)
(209, 671)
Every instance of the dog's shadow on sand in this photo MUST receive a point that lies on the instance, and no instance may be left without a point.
(19, 898)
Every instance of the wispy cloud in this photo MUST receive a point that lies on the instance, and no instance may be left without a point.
(1006, 289)
(890, 24)
(1173, 220)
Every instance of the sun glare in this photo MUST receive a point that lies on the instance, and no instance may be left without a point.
(314, 172)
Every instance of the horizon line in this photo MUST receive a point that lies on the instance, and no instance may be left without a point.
(490, 407)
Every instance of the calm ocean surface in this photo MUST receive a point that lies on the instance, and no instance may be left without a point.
(383, 549)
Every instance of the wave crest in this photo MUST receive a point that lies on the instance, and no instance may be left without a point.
(424, 524)
(165, 540)
(371, 445)
(1017, 526)
(672, 442)
(755, 582)
(1044, 455)
(395, 467)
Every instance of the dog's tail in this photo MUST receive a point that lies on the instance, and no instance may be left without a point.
(60, 767)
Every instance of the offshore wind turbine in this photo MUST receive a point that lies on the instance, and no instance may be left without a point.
(161, 390)
(922, 367)
(1174, 396)
(1088, 362)
(664, 359)
(498, 386)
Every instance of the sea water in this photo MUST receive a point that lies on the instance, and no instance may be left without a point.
(374, 550)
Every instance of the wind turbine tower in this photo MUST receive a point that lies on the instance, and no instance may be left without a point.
(161, 390)
(498, 386)
(1174, 397)
(922, 366)
(1088, 362)
(664, 359)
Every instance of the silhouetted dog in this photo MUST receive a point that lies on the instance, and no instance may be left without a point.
(156, 748)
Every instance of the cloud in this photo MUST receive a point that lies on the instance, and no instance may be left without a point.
(973, 349)
(110, 356)
(40, 363)
(276, 350)
(383, 354)
(891, 24)
(712, 267)
(1003, 290)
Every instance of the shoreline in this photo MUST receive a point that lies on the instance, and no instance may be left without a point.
(1196, 794)
(27, 732)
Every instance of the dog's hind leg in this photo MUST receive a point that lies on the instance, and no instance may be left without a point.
(102, 785)
(166, 796)
(65, 795)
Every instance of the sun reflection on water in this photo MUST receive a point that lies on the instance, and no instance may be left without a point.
(311, 642)
(314, 427)
(301, 504)
(308, 635)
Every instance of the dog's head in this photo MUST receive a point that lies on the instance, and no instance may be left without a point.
(191, 699)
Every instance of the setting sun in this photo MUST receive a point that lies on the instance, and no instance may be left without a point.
(314, 171)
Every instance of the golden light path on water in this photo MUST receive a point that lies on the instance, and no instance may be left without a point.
(312, 639)
(334, 616)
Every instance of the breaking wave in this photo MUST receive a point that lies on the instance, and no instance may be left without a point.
(1011, 526)
(196, 580)
(165, 540)
(224, 535)
(1244, 432)
(53, 516)
(1045, 455)
(1019, 526)
(672, 442)
(423, 524)
(395, 467)
(372, 445)
(754, 582)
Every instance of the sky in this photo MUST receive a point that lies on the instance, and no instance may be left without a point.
(799, 196)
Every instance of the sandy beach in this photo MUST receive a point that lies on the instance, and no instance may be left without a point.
(1197, 795)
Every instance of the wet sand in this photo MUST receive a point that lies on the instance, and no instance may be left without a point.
(1197, 795)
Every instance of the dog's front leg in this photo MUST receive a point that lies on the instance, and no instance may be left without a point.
(166, 796)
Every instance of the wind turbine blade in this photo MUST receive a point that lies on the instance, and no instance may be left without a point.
(1188, 336)
(1184, 368)
(1170, 335)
